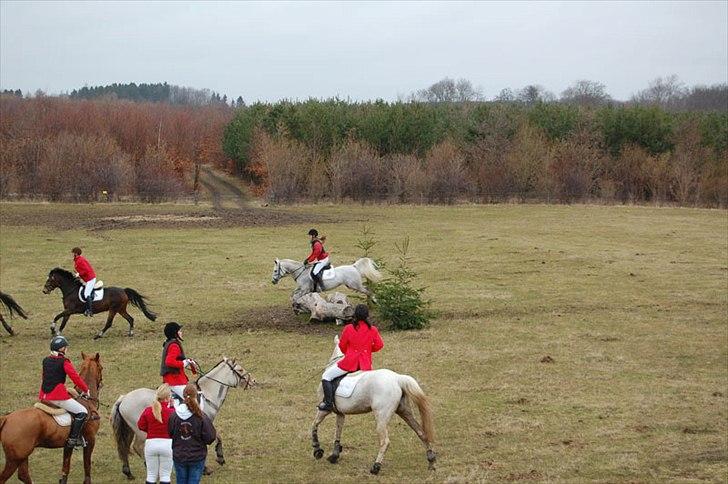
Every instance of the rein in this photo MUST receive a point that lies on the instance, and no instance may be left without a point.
(302, 269)
(238, 376)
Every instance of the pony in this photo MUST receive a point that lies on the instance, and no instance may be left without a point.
(23, 430)
(384, 393)
(114, 301)
(350, 276)
(12, 307)
(213, 386)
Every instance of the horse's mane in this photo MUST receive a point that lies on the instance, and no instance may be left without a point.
(63, 273)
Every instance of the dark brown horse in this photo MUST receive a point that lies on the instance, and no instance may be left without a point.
(23, 430)
(12, 307)
(114, 301)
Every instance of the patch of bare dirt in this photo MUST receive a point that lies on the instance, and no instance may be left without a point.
(532, 475)
(547, 359)
(277, 318)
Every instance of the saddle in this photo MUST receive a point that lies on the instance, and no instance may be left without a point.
(345, 384)
(97, 293)
(60, 415)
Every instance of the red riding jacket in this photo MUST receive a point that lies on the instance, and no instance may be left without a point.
(53, 385)
(358, 343)
(172, 360)
(153, 427)
(84, 269)
(317, 252)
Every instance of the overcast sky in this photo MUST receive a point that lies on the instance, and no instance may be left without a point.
(366, 50)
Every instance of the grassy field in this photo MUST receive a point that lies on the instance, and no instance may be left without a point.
(629, 303)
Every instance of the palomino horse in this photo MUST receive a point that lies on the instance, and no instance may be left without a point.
(12, 307)
(114, 301)
(384, 393)
(350, 276)
(213, 385)
(23, 430)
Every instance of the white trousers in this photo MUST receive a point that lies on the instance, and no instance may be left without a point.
(333, 372)
(320, 265)
(158, 456)
(70, 405)
(88, 287)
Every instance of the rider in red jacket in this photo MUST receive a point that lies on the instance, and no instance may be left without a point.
(318, 257)
(174, 360)
(53, 388)
(87, 275)
(358, 342)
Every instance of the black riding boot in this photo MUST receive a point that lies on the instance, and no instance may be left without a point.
(328, 404)
(89, 305)
(74, 437)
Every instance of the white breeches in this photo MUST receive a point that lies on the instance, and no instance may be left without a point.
(70, 405)
(333, 372)
(320, 265)
(158, 457)
(88, 287)
(178, 390)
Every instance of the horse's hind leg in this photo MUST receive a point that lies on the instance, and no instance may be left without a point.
(382, 418)
(24, 472)
(318, 452)
(109, 320)
(405, 412)
(129, 319)
(334, 457)
(7, 327)
(9, 469)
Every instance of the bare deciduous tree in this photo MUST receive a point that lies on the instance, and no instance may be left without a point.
(666, 92)
(534, 94)
(586, 93)
(449, 90)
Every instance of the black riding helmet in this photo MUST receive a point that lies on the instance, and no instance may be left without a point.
(171, 329)
(58, 342)
(313, 232)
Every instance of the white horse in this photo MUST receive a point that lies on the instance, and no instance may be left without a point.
(384, 393)
(214, 386)
(350, 276)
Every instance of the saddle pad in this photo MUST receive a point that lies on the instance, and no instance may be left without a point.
(98, 294)
(61, 417)
(328, 274)
(347, 384)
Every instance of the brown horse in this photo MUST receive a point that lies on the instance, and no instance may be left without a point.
(12, 307)
(24, 430)
(114, 301)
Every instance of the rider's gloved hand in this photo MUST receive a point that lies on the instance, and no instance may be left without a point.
(86, 394)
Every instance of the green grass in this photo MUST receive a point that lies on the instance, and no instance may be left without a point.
(629, 302)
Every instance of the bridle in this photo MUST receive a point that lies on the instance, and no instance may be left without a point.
(295, 274)
(245, 376)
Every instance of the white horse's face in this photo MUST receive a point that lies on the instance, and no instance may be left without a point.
(277, 272)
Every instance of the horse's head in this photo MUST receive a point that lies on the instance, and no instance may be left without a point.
(337, 354)
(277, 272)
(236, 375)
(56, 277)
(91, 372)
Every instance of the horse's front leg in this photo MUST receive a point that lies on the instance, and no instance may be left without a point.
(65, 315)
(109, 320)
(334, 457)
(87, 451)
(67, 452)
(318, 452)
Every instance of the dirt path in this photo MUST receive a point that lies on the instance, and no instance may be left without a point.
(223, 193)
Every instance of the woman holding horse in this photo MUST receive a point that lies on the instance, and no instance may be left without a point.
(88, 276)
(358, 341)
(158, 446)
(191, 431)
(53, 388)
(174, 360)
(318, 257)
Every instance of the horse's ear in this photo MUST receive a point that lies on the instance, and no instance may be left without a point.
(336, 339)
(225, 358)
(97, 357)
(83, 355)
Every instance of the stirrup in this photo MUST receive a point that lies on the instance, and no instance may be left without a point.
(325, 406)
(76, 442)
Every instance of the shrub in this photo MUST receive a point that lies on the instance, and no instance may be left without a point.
(400, 304)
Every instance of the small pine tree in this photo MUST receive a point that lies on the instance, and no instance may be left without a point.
(400, 304)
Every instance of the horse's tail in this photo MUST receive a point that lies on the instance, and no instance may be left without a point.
(368, 268)
(123, 434)
(12, 306)
(413, 391)
(140, 301)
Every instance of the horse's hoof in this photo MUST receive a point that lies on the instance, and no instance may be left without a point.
(130, 334)
(221, 461)
(376, 467)
(333, 458)
(98, 336)
(318, 453)
(207, 471)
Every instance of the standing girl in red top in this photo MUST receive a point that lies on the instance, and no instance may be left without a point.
(53, 388)
(318, 257)
(158, 446)
(87, 275)
(174, 360)
(358, 342)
